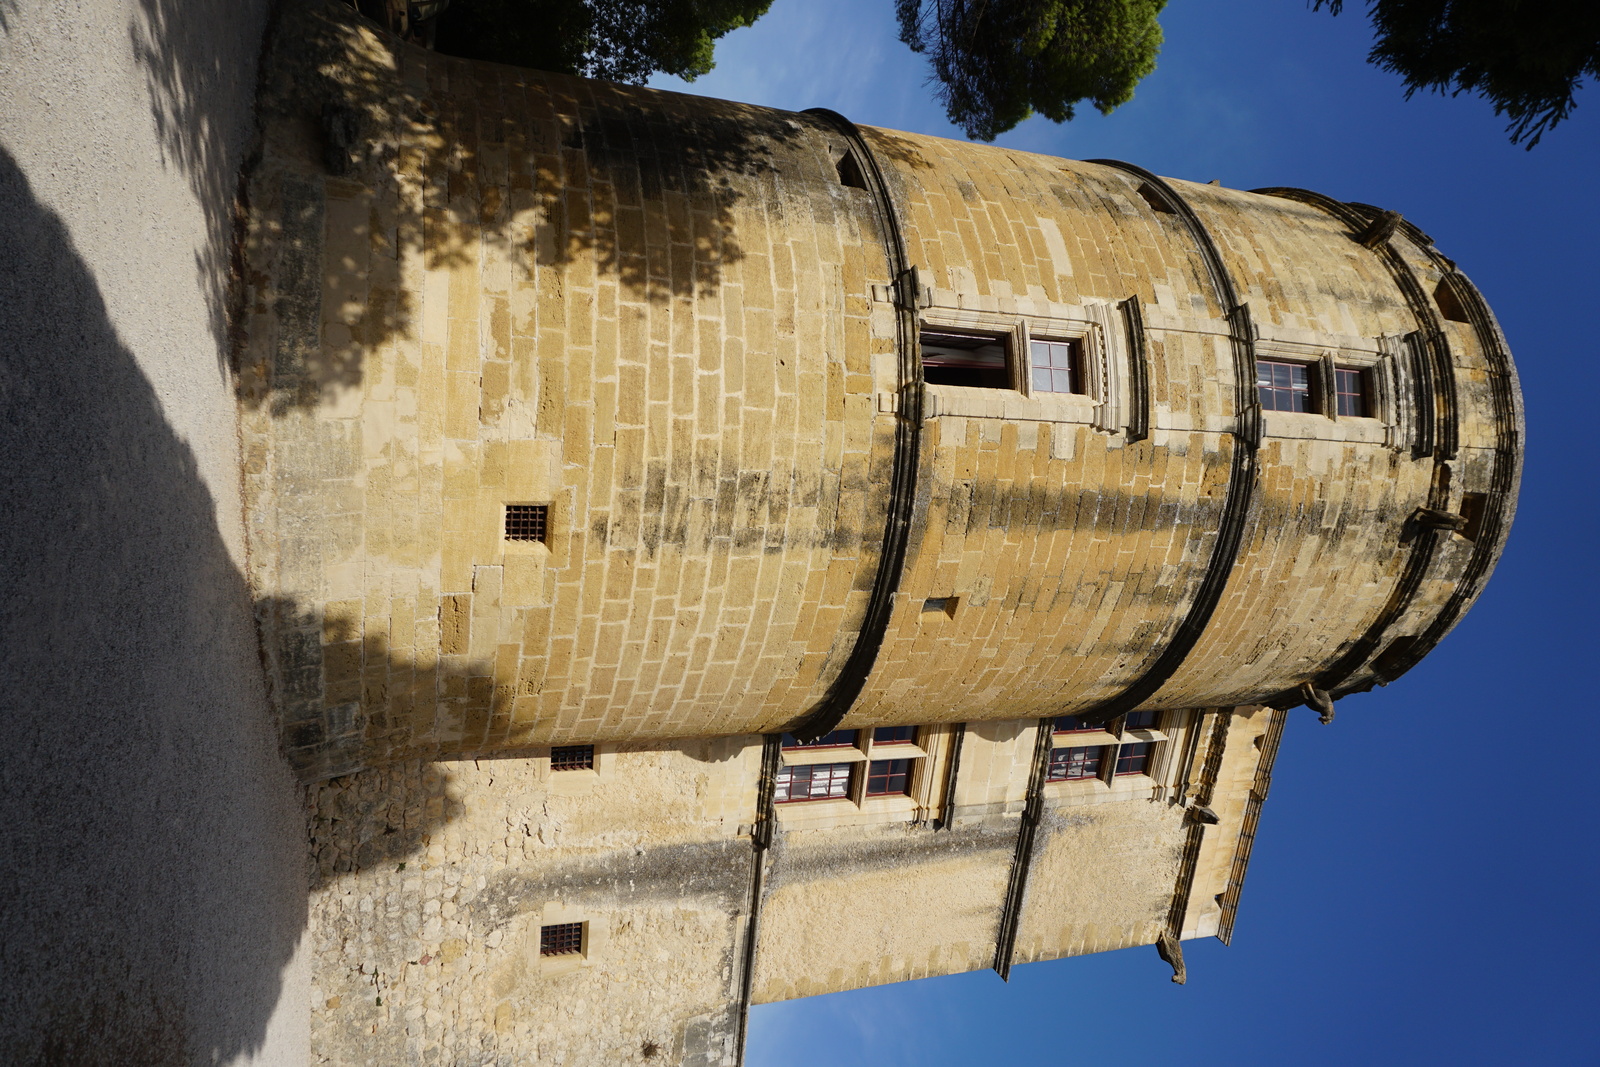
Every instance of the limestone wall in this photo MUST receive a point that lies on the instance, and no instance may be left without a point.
(669, 321)
(431, 883)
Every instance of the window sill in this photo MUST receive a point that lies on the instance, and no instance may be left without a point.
(1309, 426)
(967, 402)
(807, 757)
(841, 811)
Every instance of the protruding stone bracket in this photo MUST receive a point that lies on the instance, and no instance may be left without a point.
(912, 291)
(1170, 949)
(1432, 519)
(1318, 700)
(1380, 230)
(1203, 815)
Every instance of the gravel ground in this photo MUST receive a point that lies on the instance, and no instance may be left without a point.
(152, 889)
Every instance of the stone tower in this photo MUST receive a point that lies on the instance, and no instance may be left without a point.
(699, 341)
(612, 434)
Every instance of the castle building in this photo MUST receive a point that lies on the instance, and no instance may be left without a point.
(709, 554)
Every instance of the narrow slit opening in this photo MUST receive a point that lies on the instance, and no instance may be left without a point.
(1473, 506)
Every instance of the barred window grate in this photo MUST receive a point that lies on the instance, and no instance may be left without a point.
(572, 758)
(526, 522)
(561, 939)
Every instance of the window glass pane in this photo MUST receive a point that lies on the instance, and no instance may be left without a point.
(1284, 386)
(819, 781)
(888, 777)
(1055, 365)
(894, 735)
(1135, 759)
(837, 739)
(1070, 764)
(1069, 723)
(1351, 384)
(1141, 720)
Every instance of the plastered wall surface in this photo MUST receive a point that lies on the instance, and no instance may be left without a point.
(433, 881)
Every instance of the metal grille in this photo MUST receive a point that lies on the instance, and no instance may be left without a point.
(526, 522)
(1350, 385)
(1070, 764)
(1284, 386)
(819, 781)
(561, 939)
(572, 758)
(1135, 759)
(1055, 367)
(888, 777)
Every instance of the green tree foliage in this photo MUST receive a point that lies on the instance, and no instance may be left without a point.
(1527, 57)
(619, 40)
(999, 61)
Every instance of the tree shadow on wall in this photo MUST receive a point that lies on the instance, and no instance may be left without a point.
(456, 158)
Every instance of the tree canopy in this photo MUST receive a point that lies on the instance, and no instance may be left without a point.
(619, 40)
(1526, 57)
(996, 61)
(999, 61)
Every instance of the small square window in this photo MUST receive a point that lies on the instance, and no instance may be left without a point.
(526, 522)
(975, 360)
(888, 777)
(561, 939)
(1134, 759)
(836, 739)
(572, 758)
(818, 781)
(1056, 366)
(894, 735)
(1350, 385)
(1073, 764)
(1285, 386)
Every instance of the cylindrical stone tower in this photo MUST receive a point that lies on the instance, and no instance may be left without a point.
(579, 412)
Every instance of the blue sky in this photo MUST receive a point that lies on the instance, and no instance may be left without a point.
(1422, 888)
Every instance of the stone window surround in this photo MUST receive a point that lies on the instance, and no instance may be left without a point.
(596, 934)
(920, 804)
(1378, 426)
(1097, 328)
(1157, 783)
